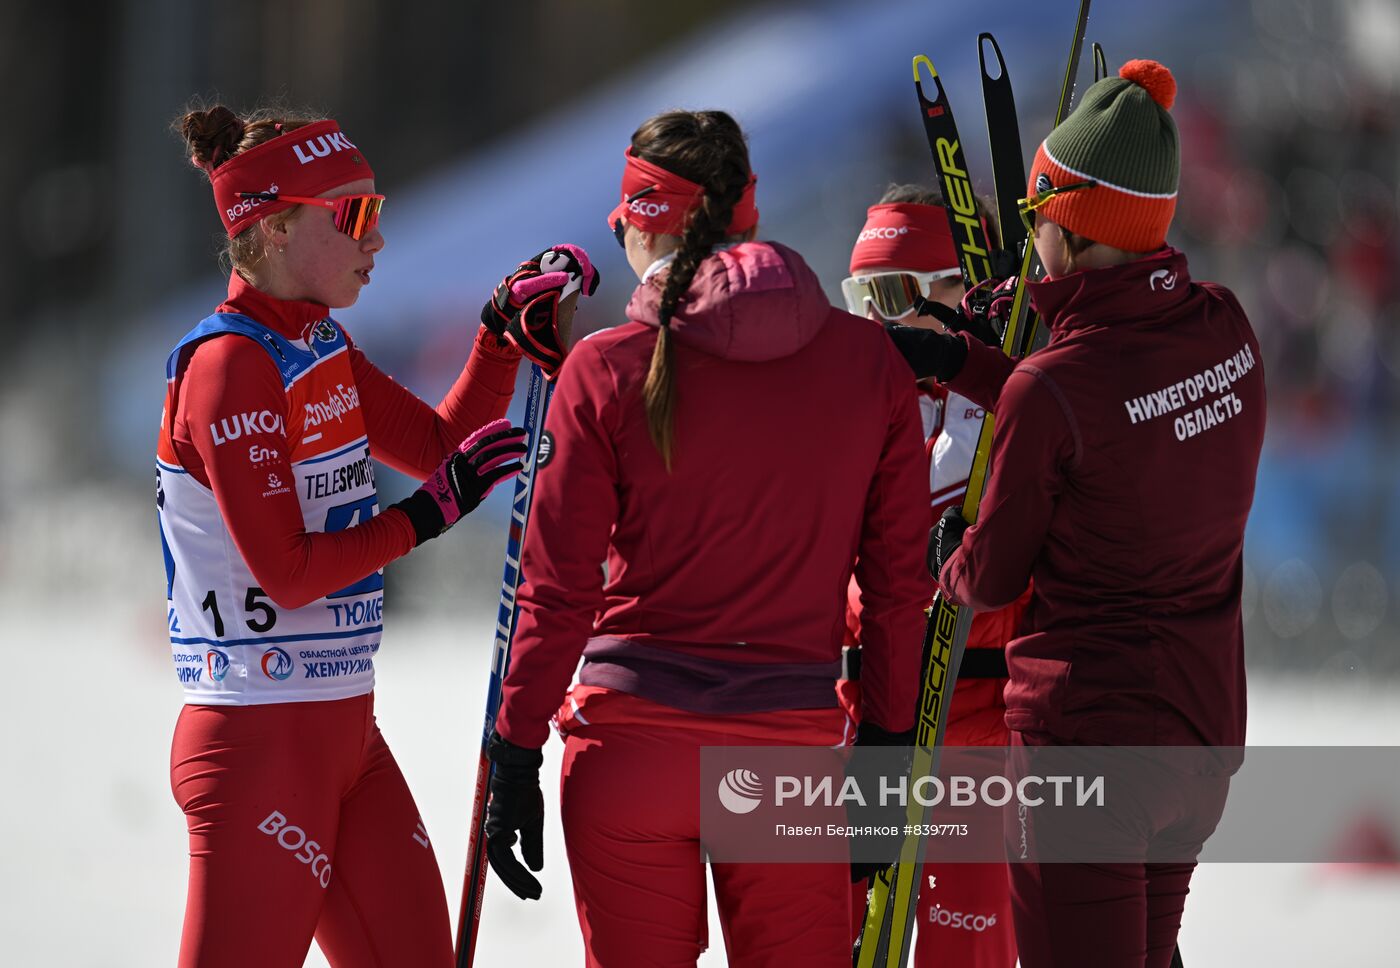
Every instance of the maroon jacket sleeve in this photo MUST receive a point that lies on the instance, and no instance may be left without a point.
(229, 375)
(890, 568)
(412, 437)
(983, 373)
(1033, 444)
(561, 567)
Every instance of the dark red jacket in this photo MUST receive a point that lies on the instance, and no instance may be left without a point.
(1123, 470)
(798, 452)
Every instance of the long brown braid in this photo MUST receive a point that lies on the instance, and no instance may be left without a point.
(708, 148)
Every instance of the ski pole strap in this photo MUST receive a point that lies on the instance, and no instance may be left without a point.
(850, 663)
(976, 664)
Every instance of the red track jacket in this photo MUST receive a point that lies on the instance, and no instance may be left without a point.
(798, 452)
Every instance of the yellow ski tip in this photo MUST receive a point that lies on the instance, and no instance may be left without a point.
(922, 59)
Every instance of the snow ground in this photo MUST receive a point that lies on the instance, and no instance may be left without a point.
(92, 867)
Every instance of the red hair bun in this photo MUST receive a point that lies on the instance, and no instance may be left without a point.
(1152, 77)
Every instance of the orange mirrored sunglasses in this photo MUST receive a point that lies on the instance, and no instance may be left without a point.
(355, 215)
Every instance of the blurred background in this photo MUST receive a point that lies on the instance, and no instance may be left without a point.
(497, 129)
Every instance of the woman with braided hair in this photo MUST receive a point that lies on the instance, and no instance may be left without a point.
(300, 822)
(730, 451)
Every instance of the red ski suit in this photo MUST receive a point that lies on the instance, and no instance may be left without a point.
(1123, 470)
(231, 374)
(720, 622)
(984, 936)
(300, 822)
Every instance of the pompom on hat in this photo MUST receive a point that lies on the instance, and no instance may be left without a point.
(1121, 136)
(1152, 77)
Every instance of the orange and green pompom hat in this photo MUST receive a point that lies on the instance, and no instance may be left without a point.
(1121, 136)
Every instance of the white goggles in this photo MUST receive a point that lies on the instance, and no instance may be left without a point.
(890, 294)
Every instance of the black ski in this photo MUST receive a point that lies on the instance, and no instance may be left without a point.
(1008, 164)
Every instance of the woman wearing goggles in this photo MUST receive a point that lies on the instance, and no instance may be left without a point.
(890, 294)
(275, 545)
(905, 253)
(354, 215)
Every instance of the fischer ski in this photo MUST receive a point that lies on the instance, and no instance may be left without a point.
(469, 919)
(894, 892)
(974, 255)
(891, 902)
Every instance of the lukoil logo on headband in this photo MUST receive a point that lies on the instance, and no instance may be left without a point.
(321, 146)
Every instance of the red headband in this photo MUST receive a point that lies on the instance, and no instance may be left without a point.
(306, 161)
(656, 200)
(905, 236)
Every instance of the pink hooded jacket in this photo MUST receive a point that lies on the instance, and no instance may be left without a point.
(798, 451)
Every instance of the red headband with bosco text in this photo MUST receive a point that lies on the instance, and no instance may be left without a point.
(305, 161)
(656, 200)
(903, 235)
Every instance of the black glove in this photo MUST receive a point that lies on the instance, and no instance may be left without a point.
(928, 352)
(516, 804)
(982, 314)
(944, 539)
(955, 322)
(526, 307)
(463, 480)
(985, 310)
(870, 735)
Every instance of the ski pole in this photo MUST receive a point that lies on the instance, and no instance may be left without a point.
(469, 919)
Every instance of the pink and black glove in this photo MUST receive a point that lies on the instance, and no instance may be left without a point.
(525, 308)
(487, 457)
